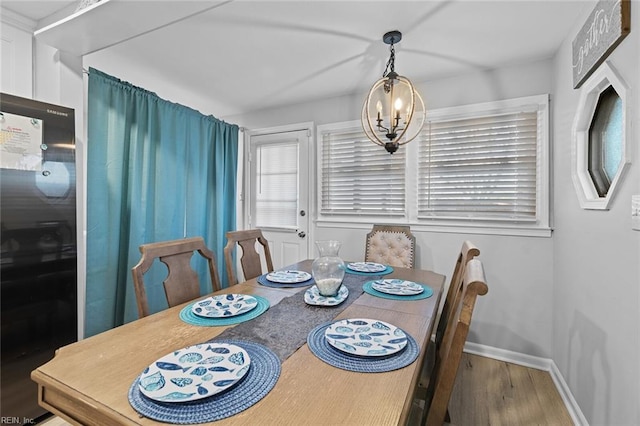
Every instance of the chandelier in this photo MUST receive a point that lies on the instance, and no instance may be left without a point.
(393, 113)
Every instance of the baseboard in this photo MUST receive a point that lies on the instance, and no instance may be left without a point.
(538, 363)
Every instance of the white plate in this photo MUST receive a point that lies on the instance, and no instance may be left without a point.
(397, 287)
(312, 297)
(366, 267)
(288, 277)
(368, 337)
(224, 305)
(194, 372)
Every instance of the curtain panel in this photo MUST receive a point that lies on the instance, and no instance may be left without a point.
(156, 171)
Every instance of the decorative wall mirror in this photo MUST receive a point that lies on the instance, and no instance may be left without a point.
(600, 153)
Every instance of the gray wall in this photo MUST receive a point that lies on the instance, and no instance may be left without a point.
(596, 298)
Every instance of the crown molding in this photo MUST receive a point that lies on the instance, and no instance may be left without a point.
(16, 20)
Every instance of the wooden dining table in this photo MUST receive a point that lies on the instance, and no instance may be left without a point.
(87, 382)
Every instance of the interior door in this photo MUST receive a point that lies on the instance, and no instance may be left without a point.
(278, 176)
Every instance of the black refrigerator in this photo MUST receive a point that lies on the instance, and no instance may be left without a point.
(38, 290)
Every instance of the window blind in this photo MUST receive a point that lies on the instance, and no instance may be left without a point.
(276, 185)
(359, 177)
(480, 168)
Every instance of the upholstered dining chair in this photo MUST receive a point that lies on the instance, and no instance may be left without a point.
(392, 245)
(181, 283)
(250, 259)
(448, 356)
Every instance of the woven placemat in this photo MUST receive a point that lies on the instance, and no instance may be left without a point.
(387, 271)
(189, 317)
(262, 279)
(428, 292)
(321, 348)
(276, 329)
(261, 378)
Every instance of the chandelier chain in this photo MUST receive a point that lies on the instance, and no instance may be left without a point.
(391, 62)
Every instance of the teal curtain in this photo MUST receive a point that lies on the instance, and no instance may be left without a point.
(156, 171)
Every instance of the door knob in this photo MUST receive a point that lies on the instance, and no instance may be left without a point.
(303, 213)
(302, 234)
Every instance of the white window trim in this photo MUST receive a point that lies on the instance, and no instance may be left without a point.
(602, 78)
(541, 227)
(541, 221)
(245, 196)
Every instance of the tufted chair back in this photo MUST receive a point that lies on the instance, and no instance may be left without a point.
(392, 245)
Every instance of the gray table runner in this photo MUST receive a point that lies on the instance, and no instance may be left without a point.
(275, 328)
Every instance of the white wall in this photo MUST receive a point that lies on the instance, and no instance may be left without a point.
(16, 62)
(573, 297)
(517, 312)
(596, 276)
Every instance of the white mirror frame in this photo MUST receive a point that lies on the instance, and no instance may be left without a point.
(600, 80)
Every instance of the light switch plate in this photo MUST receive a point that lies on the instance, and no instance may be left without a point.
(635, 212)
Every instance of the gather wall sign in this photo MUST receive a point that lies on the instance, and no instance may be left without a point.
(606, 27)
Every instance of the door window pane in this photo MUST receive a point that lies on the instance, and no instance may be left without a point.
(276, 189)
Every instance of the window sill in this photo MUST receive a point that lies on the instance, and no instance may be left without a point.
(504, 230)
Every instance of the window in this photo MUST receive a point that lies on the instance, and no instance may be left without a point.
(480, 167)
(356, 176)
(599, 153)
(605, 137)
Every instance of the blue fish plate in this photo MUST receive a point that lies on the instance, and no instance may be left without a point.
(288, 277)
(313, 297)
(369, 267)
(366, 337)
(194, 372)
(397, 287)
(224, 305)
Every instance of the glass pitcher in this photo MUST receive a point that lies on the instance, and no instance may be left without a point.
(328, 269)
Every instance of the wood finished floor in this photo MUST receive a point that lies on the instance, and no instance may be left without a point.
(492, 392)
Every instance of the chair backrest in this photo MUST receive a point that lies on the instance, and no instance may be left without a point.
(181, 283)
(250, 259)
(450, 352)
(467, 252)
(393, 245)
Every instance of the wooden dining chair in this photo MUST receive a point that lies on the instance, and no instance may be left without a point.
(468, 251)
(250, 259)
(443, 378)
(181, 283)
(392, 245)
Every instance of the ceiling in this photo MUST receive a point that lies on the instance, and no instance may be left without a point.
(249, 55)
(36, 10)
